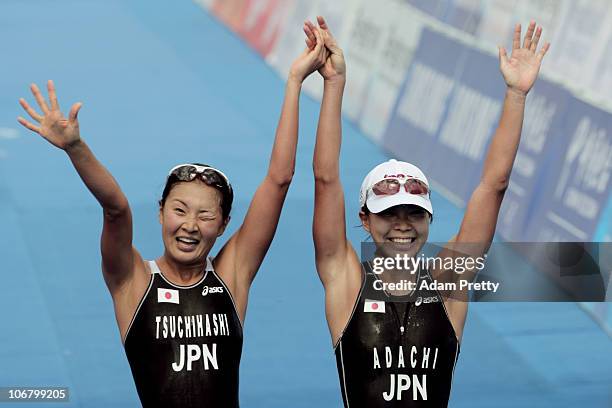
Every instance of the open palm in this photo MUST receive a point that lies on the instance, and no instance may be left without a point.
(58, 130)
(521, 69)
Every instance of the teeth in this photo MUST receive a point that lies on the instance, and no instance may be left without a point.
(402, 240)
(187, 240)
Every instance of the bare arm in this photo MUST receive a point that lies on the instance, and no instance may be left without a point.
(478, 226)
(520, 72)
(116, 241)
(329, 225)
(337, 262)
(249, 245)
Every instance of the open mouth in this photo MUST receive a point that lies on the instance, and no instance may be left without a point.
(403, 241)
(187, 244)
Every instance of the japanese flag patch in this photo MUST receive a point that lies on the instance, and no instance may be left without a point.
(167, 295)
(373, 306)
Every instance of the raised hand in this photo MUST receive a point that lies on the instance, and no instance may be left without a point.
(310, 60)
(52, 125)
(521, 69)
(334, 67)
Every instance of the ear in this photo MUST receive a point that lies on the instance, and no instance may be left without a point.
(222, 229)
(161, 215)
(365, 220)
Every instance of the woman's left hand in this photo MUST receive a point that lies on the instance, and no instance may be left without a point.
(521, 69)
(335, 66)
(310, 60)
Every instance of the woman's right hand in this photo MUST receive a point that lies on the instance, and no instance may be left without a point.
(52, 125)
(310, 60)
(335, 66)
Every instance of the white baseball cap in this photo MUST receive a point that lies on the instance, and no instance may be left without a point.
(397, 170)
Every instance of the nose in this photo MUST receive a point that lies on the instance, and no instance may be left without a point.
(402, 224)
(190, 225)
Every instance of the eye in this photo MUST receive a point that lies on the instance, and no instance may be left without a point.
(207, 216)
(417, 214)
(179, 211)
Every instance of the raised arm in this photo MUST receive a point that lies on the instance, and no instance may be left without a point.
(329, 229)
(478, 226)
(63, 133)
(520, 72)
(243, 254)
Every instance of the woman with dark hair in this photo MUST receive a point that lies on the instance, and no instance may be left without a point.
(180, 316)
(396, 340)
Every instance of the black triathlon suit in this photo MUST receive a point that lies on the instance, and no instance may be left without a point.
(184, 343)
(397, 351)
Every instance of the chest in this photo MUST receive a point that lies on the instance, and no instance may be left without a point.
(416, 320)
(204, 310)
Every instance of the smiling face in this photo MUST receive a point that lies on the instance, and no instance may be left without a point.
(401, 229)
(191, 220)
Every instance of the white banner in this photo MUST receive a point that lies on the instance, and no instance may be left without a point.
(400, 40)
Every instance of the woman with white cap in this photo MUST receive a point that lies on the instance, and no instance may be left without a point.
(396, 346)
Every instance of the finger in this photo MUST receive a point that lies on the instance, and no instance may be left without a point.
(326, 55)
(536, 38)
(516, 40)
(26, 107)
(543, 51)
(28, 125)
(320, 51)
(325, 36)
(52, 95)
(322, 39)
(74, 112)
(39, 98)
(325, 51)
(503, 55)
(319, 40)
(328, 40)
(322, 23)
(529, 35)
(309, 32)
(310, 44)
(322, 56)
(310, 26)
(328, 36)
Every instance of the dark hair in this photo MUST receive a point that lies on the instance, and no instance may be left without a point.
(366, 211)
(221, 185)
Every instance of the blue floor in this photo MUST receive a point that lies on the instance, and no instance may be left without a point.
(163, 83)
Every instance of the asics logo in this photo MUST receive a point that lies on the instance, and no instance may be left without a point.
(211, 289)
(431, 299)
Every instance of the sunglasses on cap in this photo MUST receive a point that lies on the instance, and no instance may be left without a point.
(391, 186)
(209, 175)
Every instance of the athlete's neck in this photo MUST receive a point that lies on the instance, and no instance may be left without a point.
(180, 273)
(399, 276)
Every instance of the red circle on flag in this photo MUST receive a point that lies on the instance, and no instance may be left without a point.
(168, 295)
(374, 306)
